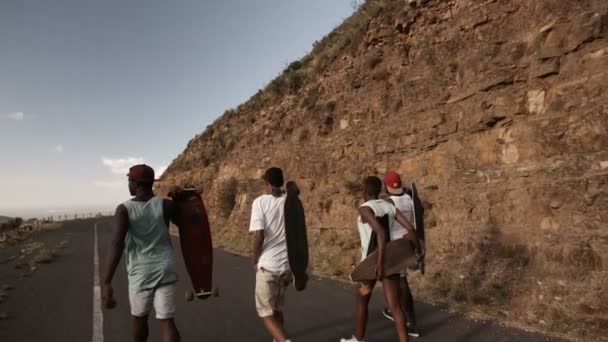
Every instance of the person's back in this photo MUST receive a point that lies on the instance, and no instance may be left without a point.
(269, 214)
(148, 250)
(404, 204)
(385, 214)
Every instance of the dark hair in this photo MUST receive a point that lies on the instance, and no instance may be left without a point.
(146, 185)
(274, 177)
(372, 185)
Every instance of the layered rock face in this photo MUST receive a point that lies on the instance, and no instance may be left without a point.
(496, 109)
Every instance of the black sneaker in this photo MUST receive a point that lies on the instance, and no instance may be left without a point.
(412, 330)
(387, 313)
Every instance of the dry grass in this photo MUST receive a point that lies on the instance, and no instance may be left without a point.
(44, 256)
(227, 199)
(503, 280)
(311, 98)
(51, 225)
(31, 247)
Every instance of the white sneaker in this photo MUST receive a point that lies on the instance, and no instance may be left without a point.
(352, 339)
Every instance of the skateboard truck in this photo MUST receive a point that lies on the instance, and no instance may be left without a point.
(215, 292)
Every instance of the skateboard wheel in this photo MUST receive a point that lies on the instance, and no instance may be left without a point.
(189, 296)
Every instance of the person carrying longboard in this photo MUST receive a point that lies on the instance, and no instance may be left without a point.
(142, 234)
(374, 223)
(270, 255)
(401, 199)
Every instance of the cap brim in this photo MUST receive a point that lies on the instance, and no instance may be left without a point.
(394, 191)
(143, 180)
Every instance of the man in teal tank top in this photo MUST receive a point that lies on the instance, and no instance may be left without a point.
(142, 234)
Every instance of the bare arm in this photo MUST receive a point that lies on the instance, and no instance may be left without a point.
(411, 232)
(169, 211)
(258, 242)
(118, 243)
(367, 214)
(114, 254)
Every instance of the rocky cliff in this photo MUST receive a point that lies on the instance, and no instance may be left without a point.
(497, 109)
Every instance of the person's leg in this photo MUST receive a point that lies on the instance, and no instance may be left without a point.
(169, 330)
(391, 294)
(164, 305)
(267, 290)
(280, 318)
(361, 312)
(285, 279)
(408, 302)
(275, 328)
(140, 329)
(140, 301)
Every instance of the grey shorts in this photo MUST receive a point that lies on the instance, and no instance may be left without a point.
(163, 299)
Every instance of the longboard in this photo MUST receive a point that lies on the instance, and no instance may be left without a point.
(418, 221)
(295, 233)
(195, 240)
(398, 255)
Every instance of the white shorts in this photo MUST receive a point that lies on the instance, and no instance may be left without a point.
(163, 298)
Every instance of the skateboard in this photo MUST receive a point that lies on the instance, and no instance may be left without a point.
(195, 240)
(418, 221)
(398, 255)
(295, 234)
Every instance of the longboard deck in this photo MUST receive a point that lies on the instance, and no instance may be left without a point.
(418, 213)
(398, 255)
(418, 221)
(195, 240)
(295, 233)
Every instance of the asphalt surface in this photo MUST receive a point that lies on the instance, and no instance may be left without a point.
(55, 303)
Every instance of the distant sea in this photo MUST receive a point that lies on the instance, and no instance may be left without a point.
(40, 213)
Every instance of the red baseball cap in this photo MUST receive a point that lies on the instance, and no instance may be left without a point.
(392, 180)
(141, 173)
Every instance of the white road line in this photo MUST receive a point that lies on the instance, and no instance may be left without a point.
(97, 313)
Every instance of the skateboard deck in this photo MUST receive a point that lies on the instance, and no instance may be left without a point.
(295, 234)
(398, 255)
(418, 221)
(418, 213)
(195, 240)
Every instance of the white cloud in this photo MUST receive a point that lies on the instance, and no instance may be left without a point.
(59, 148)
(121, 166)
(17, 116)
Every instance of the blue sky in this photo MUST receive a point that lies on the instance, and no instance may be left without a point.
(89, 87)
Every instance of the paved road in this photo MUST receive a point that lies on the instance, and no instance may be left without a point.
(56, 304)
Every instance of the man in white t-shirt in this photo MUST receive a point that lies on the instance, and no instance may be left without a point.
(403, 202)
(270, 260)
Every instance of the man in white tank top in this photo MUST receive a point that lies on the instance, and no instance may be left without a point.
(142, 235)
(375, 223)
(405, 205)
